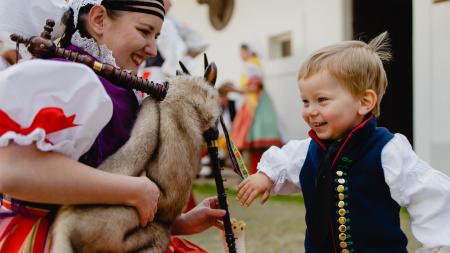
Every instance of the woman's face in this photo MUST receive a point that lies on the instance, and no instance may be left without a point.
(245, 54)
(131, 37)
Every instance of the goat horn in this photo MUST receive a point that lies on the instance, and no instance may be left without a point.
(205, 59)
(185, 70)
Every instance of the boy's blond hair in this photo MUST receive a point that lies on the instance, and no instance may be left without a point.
(356, 64)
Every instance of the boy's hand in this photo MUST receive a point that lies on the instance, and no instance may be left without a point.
(250, 188)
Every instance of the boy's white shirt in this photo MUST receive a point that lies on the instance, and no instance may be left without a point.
(424, 191)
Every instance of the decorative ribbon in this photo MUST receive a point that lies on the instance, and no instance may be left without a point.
(236, 158)
(50, 119)
(15, 210)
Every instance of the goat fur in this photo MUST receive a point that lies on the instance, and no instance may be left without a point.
(166, 143)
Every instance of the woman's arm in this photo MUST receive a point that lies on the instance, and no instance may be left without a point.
(47, 177)
(254, 85)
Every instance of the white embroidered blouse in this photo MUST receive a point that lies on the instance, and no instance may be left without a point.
(57, 106)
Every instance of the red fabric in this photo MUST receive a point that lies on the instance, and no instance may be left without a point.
(146, 75)
(255, 156)
(191, 203)
(21, 229)
(51, 119)
(241, 125)
(180, 245)
(41, 236)
(24, 229)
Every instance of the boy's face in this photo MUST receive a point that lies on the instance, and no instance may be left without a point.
(328, 107)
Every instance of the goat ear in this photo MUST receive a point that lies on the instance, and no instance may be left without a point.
(185, 70)
(211, 73)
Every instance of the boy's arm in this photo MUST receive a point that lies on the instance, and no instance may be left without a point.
(424, 191)
(283, 166)
(278, 172)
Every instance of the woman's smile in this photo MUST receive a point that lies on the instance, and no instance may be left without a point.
(137, 59)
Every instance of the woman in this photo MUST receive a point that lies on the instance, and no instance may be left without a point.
(255, 126)
(122, 33)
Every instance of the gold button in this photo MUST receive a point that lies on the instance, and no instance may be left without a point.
(342, 236)
(342, 220)
(342, 212)
(341, 196)
(339, 173)
(340, 188)
(345, 251)
(341, 204)
(342, 228)
(343, 245)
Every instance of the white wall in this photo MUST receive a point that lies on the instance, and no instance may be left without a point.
(432, 82)
(315, 23)
(312, 24)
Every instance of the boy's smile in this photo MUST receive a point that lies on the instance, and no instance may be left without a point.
(329, 108)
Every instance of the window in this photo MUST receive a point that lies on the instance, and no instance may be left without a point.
(280, 46)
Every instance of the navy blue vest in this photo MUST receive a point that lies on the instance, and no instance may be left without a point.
(365, 219)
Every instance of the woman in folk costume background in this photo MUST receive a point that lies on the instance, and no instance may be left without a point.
(255, 127)
(55, 112)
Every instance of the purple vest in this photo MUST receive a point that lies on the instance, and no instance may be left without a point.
(118, 129)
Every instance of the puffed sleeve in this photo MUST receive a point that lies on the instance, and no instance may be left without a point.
(424, 191)
(283, 165)
(57, 106)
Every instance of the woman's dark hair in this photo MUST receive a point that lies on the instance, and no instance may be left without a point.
(81, 23)
(245, 47)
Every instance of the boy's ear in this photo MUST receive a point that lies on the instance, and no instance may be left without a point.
(368, 101)
(95, 20)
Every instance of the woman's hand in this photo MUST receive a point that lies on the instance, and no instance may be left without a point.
(203, 216)
(250, 188)
(10, 56)
(146, 201)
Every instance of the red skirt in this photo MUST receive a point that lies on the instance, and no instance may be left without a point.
(24, 229)
(180, 245)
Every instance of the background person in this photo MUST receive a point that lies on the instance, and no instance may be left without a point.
(255, 127)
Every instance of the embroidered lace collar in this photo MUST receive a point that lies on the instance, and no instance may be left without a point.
(90, 46)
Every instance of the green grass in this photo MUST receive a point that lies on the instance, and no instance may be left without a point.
(208, 189)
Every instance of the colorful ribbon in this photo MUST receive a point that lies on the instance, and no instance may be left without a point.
(236, 158)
